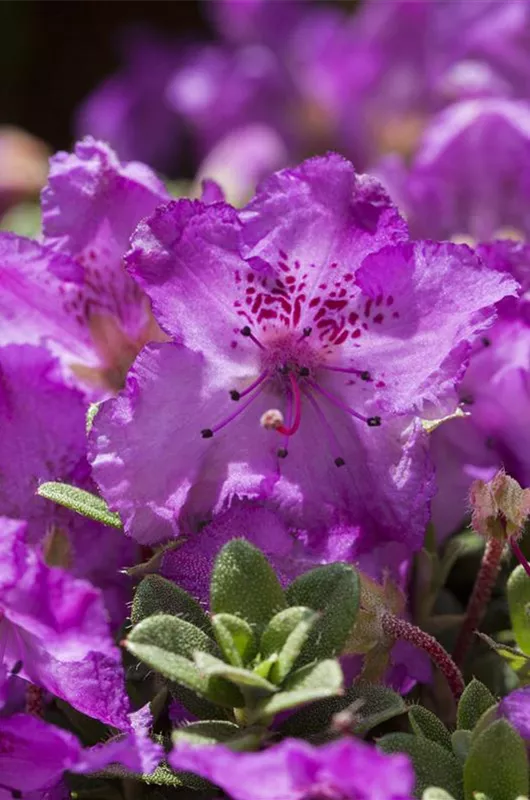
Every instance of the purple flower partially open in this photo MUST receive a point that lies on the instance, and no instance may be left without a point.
(70, 290)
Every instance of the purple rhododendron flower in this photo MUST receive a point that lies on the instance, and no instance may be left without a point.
(57, 626)
(37, 406)
(495, 392)
(34, 755)
(294, 770)
(516, 708)
(129, 109)
(458, 185)
(70, 290)
(312, 329)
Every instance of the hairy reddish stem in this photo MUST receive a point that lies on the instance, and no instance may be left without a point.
(518, 553)
(476, 608)
(397, 628)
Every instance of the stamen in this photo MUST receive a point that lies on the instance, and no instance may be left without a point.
(363, 374)
(304, 372)
(248, 333)
(289, 431)
(283, 451)
(305, 333)
(235, 395)
(207, 433)
(372, 422)
(333, 442)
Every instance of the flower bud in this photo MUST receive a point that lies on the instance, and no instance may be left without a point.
(500, 507)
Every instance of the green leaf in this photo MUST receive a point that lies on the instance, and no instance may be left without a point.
(334, 590)
(91, 416)
(518, 593)
(206, 732)
(485, 720)
(84, 503)
(425, 723)
(312, 682)
(460, 744)
(497, 764)
(433, 764)
(475, 700)
(209, 665)
(156, 595)
(373, 704)
(280, 627)
(286, 634)
(213, 731)
(167, 644)
(243, 583)
(235, 638)
(435, 793)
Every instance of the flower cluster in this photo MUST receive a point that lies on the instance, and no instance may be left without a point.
(239, 426)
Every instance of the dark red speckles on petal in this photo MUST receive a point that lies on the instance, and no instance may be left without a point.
(367, 308)
(378, 318)
(395, 314)
(356, 333)
(352, 318)
(389, 300)
(314, 302)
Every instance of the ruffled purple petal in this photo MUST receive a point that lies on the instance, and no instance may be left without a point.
(293, 770)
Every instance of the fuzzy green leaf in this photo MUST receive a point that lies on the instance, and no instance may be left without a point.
(460, 744)
(209, 665)
(334, 590)
(425, 723)
(286, 635)
(167, 644)
(235, 638)
(214, 731)
(518, 593)
(373, 705)
(156, 595)
(82, 502)
(243, 583)
(433, 764)
(497, 764)
(310, 683)
(475, 700)
(206, 732)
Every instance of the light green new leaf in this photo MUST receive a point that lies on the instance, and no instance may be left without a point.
(209, 665)
(235, 638)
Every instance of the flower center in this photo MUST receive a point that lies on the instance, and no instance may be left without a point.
(290, 368)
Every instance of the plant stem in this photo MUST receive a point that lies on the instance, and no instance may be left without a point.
(518, 553)
(480, 596)
(397, 628)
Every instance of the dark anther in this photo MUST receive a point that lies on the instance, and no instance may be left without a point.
(373, 422)
(365, 376)
(307, 331)
(246, 331)
(339, 462)
(485, 341)
(16, 668)
(283, 370)
(303, 372)
(282, 453)
(234, 394)
(206, 433)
